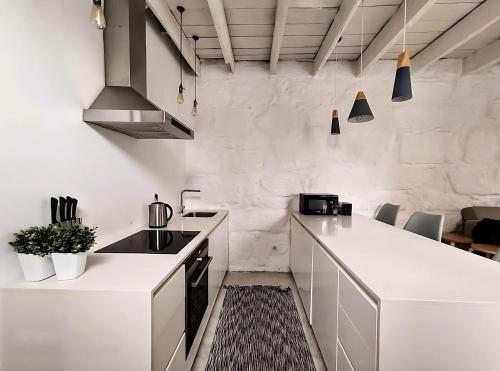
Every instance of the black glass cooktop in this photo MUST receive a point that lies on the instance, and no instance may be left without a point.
(152, 242)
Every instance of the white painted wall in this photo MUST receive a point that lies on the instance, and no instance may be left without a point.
(261, 140)
(51, 68)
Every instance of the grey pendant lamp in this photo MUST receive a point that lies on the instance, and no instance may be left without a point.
(194, 111)
(361, 111)
(402, 83)
(335, 130)
(97, 15)
(180, 95)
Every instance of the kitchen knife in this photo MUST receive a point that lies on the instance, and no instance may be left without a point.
(53, 209)
(72, 208)
(69, 205)
(62, 209)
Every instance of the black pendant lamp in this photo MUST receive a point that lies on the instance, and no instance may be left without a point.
(335, 123)
(361, 111)
(335, 130)
(97, 15)
(180, 96)
(194, 111)
(402, 83)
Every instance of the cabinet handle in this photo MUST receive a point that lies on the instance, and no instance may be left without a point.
(197, 282)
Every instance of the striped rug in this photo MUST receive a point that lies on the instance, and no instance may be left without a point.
(259, 329)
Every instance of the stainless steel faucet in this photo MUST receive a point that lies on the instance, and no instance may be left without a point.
(182, 207)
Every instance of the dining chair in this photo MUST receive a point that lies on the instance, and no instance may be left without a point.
(427, 225)
(388, 214)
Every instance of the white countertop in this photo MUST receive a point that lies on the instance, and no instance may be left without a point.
(130, 272)
(394, 264)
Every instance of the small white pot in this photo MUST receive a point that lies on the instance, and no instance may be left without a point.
(35, 267)
(69, 266)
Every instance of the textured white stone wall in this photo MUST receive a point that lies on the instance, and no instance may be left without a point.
(261, 140)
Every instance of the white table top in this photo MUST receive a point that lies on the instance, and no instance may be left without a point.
(130, 272)
(394, 264)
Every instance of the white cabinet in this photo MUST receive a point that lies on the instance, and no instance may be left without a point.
(343, 363)
(218, 243)
(301, 245)
(168, 313)
(357, 325)
(324, 304)
(178, 361)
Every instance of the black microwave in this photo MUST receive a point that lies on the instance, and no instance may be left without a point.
(318, 204)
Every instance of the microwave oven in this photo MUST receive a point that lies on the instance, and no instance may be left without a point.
(318, 204)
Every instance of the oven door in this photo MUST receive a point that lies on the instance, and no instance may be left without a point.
(196, 299)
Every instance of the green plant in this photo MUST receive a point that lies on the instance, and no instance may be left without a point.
(73, 239)
(34, 240)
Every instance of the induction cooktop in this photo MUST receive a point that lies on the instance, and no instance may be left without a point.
(152, 242)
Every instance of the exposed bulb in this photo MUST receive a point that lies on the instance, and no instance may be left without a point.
(97, 15)
(180, 96)
(194, 111)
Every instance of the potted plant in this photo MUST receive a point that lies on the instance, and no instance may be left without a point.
(69, 251)
(33, 247)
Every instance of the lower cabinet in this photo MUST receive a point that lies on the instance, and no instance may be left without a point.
(178, 361)
(301, 245)
(343, 317)
(325, 274)
(168, 313)
(218, 249)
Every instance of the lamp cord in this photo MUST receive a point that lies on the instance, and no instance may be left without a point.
(335, 77)
(195, 75)
(404, 27)
(362, 41)
(180, 54)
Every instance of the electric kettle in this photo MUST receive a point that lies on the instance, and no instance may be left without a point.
(158, 214)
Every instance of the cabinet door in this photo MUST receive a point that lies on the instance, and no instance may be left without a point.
(218, 249)
(301, 262)
(324, 304)
(168, 319)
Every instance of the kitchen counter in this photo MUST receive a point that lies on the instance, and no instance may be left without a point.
(130, 272)
(394, 264)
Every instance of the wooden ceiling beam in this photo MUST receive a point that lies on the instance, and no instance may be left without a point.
(279, 29)
(162, 12)
(483, 58)
(219, 18)
(393, 31)
(471, 25)
(340, 22)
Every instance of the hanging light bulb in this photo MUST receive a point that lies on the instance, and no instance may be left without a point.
(97, 15)
(361, 111)
(180, 95)
(194, 111)
(402, 83)
(335, 130)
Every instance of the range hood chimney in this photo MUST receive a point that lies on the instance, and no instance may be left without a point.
(121, 106)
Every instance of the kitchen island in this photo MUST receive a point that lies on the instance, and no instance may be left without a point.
(126, 312)
(381, 298)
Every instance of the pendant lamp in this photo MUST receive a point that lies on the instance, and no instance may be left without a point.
(97, 15)
(361, 111)
(402, 83)
(180, 96)
(194, 111)
(335, 130)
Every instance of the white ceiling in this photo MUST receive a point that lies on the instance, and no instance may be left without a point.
(251, 26)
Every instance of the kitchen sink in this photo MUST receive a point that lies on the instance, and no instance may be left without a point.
(199, 214)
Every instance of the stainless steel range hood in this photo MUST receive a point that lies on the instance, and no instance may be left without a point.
(122, 105)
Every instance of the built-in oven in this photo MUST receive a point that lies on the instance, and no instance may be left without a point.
(196, 291)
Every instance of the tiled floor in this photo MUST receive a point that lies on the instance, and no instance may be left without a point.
(255, 278)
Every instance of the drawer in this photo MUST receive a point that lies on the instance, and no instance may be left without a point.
(178, 361)
(168, 313)
(361, 310)
(363, 356)
(343, 363)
